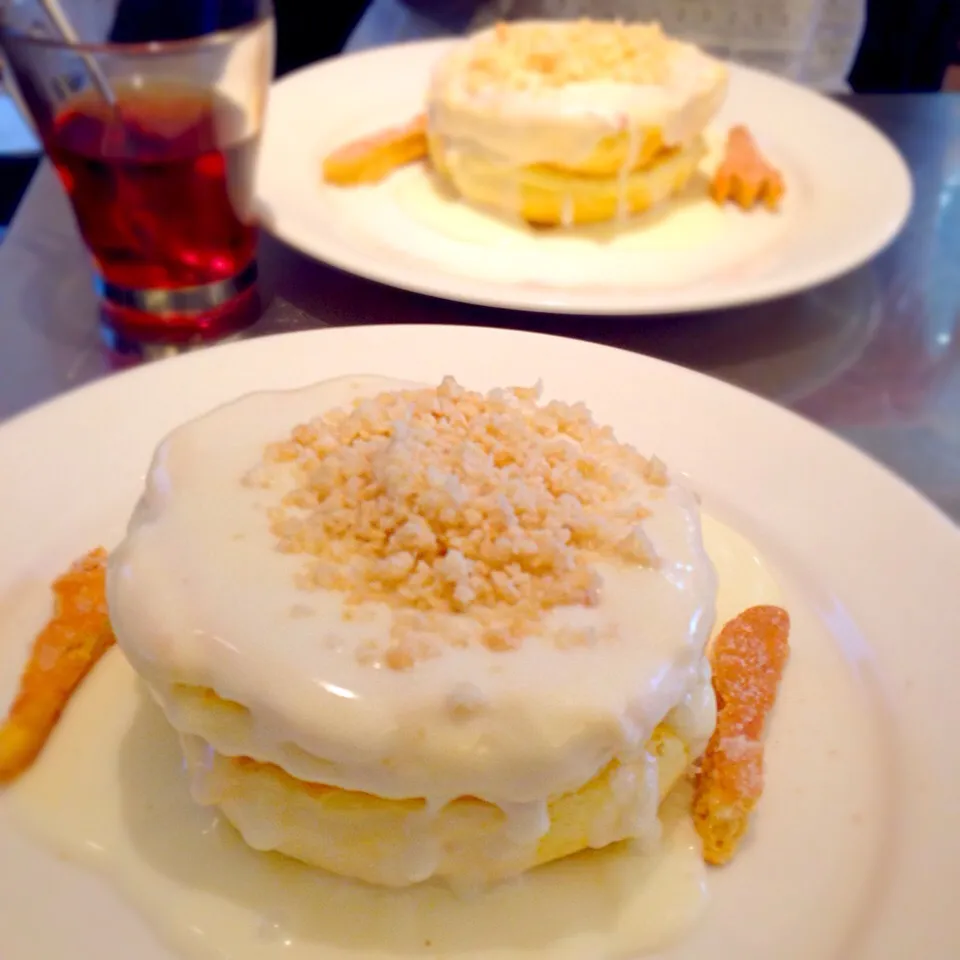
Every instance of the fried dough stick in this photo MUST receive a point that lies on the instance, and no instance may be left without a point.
(78, 634)
(374, 157)
(745, 176)
(747, 658)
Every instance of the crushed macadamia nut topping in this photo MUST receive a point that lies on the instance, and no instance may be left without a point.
(444, 502)
(530, 55)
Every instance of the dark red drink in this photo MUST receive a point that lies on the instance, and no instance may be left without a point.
(162, 186)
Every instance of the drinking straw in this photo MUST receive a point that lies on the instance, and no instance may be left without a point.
(61, 23)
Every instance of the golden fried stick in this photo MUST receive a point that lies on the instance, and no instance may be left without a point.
(747, 659)
(745, 176)
(63, 653)
(376, 156)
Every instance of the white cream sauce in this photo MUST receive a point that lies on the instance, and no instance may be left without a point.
(199, 595)
(683, 241)
(110, 793)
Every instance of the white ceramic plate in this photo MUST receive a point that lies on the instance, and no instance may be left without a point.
(849, 194)
(855, 852)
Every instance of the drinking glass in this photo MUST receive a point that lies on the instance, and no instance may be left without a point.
(156, 146)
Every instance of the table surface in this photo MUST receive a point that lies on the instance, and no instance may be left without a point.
(874, 356)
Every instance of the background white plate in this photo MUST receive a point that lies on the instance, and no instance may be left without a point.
(849, 193)
(855, 853)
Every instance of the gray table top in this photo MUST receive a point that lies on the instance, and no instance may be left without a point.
(874, 356)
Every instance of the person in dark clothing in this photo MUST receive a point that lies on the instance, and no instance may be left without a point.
(306, 31)
(907, 46)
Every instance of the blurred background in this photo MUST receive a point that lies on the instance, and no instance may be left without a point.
(906, 47)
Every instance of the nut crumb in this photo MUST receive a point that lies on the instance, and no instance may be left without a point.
(465, 701)
(527, 56)
(444, 503)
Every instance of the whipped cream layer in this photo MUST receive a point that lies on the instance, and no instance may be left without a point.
(523, 124)
(201, 600)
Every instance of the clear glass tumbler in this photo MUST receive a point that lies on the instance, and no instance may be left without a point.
(156, 146)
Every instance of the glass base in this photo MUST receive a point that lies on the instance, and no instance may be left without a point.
(159, 322)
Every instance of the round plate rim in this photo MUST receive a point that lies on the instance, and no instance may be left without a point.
(926, 857)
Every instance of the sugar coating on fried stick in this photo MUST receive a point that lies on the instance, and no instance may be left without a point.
(747, 659)
(75, 638)
(374, 157)
(745, 176)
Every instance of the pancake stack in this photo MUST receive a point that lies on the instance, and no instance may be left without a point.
(410, 632)
(562, 123)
